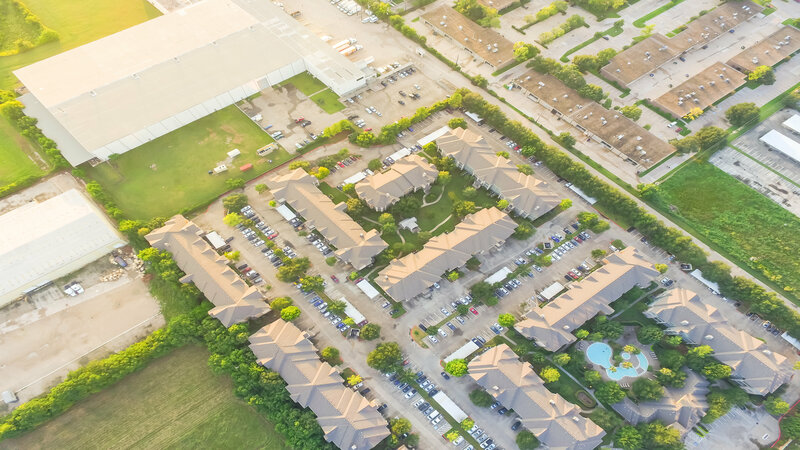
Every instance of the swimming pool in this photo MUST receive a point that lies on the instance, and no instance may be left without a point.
(601, 353)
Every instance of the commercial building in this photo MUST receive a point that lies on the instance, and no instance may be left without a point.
(497, 4)
(769, 51)
(526, 195)
(347, 418)
(234, 301)
(383, 189)
(555, 422)
(756, 369)
(793, 124)
(552, 325)
(681, 408)
(621, 135)
(702, 90)
(484, 44)
(353, 245)
(43, 241)
(126, 89)
(653, 52)
(413, 274)
(778, 141)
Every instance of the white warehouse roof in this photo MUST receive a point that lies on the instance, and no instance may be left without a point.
(44, 241)
(121, 91)
(793, 123)
(782, 143)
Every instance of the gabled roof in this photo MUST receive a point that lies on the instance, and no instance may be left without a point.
(233, 300)
(383, 189)
(348, 419)
(554, 421)
(761, 370)
(412, 274)
(353, 244)
(526, 194)
(552, 325)
(681, 407)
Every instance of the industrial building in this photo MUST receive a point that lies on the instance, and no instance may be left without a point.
(552, 325)
(702, 90)
(484, 44)
(347, 418)
(557, 423)
(234, 301)
(756, 369)
(43, 241)
(124, 90)
(353, 245)
(770, 51)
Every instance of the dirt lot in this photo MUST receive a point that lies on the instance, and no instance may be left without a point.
(40, 192)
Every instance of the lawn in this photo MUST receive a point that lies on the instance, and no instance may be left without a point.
(328, 101)
(14, 150)
(170, 174)
(305, 83)
(751, 229)
(15, 28)
(429, 217)
(642, 21)
(175, 402)
(334, 194)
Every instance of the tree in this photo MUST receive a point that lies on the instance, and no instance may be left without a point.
(337, 307)
(565, 204)
(631, 112)
(628, 438)
(709, 136)
(400, 426)
(290, 313)
(281, 302)
(776, 406)
(261, 188)
(562, 359)
(233, 256)
(355, 205)
(462, 309)
(407, 206)
(234, 183)
(609, 392)
(610, 329)
(354, 379)
(457, 122)
(742, 113)
(647, 389)
(463, 208)
(566, 139)
(456, 368)
(481, 398)
(312, 283)
(790, 427)
(524, 230)
(672, 359)
(526, 440)
(444, 177)
(432, 330)
(716, 371)
(453, 275)
(349, 321)
(521, 51)
(649, 334)
(581, 334)
(693, 113)
(697, 357)
(299, 165)
(586, 63)
(550, 374)
(502, 204)
(525, 169)
(506, 320)
(370, 331)
(656, 435)
(672, 378)
(598, 253)
(232, 219)
(234, 202)
(592, 377)
(467, 424)
(386, 357)
(331, 355)
(321, 172)
(452, 435)
(605, 419)
(374, 165)
(504, 154)
(762, 74)
(331, 261)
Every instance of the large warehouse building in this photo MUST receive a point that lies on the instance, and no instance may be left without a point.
(124, 90)
(42, 241)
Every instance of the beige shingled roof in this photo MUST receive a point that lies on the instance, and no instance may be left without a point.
(412, 274)
(488, 44)
(555, 422)
(233, 300)
(348, 419)
(769, 51)
(383, 189)
(353, 245)
(759, 370)
(526, 195)
(552, 325)
(682, 408)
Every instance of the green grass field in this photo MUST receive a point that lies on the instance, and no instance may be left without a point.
(328, 101)
(181, 160)
(175, 402)
(14, 150)
(13, 26)
(753, 230)
(305, 83)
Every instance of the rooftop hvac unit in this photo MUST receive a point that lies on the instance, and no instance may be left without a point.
(696, 101)
(727, 80)
(709, 337)
(566, 95)
(460, 27)
(552, 402)
(585, 117)
(495, 45)
(540, 83)
(441, 23)
(619, 137)
(639, 147)
(494, 51)
(646, 53)
(617, 70)
(721, 76)
(701, 87)
(680, 102)
(638, 138)
(754, 60)
(555, 100)
(712, 83)
(576, 418)
(566, 327)
(724, 69)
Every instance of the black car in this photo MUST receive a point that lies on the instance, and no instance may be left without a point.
(365, 391)
(445, 375)
(514, 427)
(421, 326)
(382, 407)
(423, 406)
(502, 411)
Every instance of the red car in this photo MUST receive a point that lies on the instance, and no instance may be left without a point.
(299, 120)
(335, 280)
(341, 164)
(473, 311)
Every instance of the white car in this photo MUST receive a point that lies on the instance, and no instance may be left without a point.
(433, 339)
(442, 333)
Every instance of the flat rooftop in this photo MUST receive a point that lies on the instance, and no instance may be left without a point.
(552, 91)
(484, 42)
(782, 143)
(701, 90)
(497, 4)
(775, 47)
